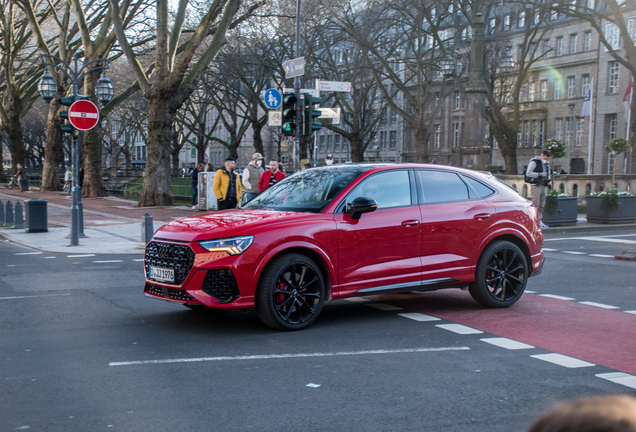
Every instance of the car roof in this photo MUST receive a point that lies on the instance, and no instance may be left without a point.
(380, 166)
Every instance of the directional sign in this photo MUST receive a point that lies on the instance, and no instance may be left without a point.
(295, 67)
(272, 98)
(334, 86)
(330, 113)
(83, 115)
(274, 118)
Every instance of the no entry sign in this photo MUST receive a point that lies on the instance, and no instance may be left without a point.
(83, 115)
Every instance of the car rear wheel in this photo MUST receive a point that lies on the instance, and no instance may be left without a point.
(501, 275)
(290, 293)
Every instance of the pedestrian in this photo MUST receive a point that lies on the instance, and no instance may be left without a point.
(306, 166)
(183, 172)
(227, 185)
(20, 173)
(209, 168)
(251, 176)
(271, 177)
(81, 178)
(195, 185)
(329, 160)
(538, 175)
(616, 413)
(68, 180)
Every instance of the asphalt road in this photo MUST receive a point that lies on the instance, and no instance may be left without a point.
(81, 349)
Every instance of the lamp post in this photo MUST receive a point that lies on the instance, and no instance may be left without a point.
(47, 88)
(571, 106)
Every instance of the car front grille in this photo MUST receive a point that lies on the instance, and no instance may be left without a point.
(221, 285)
(170, 293)
(172, 256)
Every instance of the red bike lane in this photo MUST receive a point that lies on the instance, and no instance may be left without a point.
(601, 336)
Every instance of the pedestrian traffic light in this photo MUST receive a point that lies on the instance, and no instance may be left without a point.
(64, 125)
(309, 126)
(289, 114)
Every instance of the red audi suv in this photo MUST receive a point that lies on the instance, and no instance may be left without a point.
(351, 230)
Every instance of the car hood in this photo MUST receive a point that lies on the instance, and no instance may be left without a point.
(227, 223)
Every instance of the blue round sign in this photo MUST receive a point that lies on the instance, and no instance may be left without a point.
(273, 98)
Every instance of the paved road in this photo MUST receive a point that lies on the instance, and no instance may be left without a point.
(82, 350)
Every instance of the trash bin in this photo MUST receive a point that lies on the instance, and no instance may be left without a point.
(24, 184)
(36, 216)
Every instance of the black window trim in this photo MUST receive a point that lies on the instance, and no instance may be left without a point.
(494, 191)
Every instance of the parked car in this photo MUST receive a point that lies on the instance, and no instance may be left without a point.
(351, 230)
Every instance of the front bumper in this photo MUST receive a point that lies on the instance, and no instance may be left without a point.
(537, 263)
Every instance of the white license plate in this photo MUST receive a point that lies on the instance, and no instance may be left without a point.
(161, 274)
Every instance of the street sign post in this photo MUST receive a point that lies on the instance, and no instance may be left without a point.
(313, 92)
(295, 67)
(83, 115)
(334, 86)
(274, 118)
(272, 99)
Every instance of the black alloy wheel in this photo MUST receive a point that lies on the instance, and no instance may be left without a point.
(500, 276)
(290, 293)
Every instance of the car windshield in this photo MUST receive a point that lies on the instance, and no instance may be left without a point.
(310, 190)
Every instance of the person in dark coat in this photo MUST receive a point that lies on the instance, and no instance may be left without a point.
(195, 185)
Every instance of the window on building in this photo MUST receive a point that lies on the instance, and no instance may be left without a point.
(541, 133)
(559, 46)
(531, 91)
(522, 19)
(528, 134)
(579, 131)
(571, 86)
(495, 143)
(457, 100)
(382, 139)
(537, 17)
(393, 117)
(573, 42)
(612, 36)
(558, 88)
(568, 131)
(614, 71)
(336, 143)
(533, 133)
(546, 48)
(458, 63)
(437, 136)
(507, 22)
(613, 133)
(392, 139)
(544, 90)
(321, 144)
(554, 13)
(631, 28)
(586, 81)
(329, 143)
(590, 4)
(558, 134)
(455, 134)
(587, 41)
(519, 139)
(493, 23)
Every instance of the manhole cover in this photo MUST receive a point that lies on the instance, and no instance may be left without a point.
(626, 255)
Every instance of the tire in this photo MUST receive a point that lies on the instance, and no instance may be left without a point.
(290, 293)
(500, 276)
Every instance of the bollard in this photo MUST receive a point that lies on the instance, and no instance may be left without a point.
(8, 215)
(19, 219)
(146, 229)
(1, 213)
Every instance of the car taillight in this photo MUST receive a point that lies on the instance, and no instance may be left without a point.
(534, 212)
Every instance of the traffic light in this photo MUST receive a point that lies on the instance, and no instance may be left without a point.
(65, 126)
(309, 126)
(289, 114)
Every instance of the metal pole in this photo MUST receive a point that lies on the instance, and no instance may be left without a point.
(297, 90)
(572, 129)
(75, 213)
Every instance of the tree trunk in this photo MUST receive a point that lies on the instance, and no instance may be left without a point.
(509, 152)
(357, 152)
(14, 130)
(258, 140)
(114, 147)
(93, 177)
(157, 190)
(420, 129)
(3, 178)
(54, 152)
(175, 151)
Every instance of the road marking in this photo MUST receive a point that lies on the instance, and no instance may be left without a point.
(573, 253)
(530, 292)
(608, 238)
(110, 261)
(619, 378)
(601, 256)
(286, 356)
(600, 305)
(507, 343)
(550, 250)
(312, 385)
(556, 297)
(137, 260)
(384, 307)
(49, 257)
(419, 317)
(459, 329)
(631, 312)
(34, 296)
(29, 253)
(356, 299)
(80, 256)
(563, 360)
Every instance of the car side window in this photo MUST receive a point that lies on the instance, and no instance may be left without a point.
(388, 189)
(482, 190)
(441, 187)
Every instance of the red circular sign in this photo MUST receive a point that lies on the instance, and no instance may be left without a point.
(83, 115)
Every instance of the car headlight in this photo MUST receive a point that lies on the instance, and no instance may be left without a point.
(233, 246)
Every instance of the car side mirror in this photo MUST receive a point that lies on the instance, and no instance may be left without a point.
(362, 205)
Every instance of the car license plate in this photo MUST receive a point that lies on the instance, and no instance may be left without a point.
(161, 274)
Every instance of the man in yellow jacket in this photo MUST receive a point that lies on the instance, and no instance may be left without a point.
(227, 185)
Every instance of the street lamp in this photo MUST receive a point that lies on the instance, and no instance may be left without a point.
(47, 87)
(507, 64)
(448, 66)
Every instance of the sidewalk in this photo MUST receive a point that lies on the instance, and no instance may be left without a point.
(113, 225)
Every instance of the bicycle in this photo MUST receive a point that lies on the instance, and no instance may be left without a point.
(13, 182)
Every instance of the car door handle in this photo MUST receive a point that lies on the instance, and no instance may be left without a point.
(410, 223)
(482, 216)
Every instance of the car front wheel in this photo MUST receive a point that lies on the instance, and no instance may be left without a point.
(290, 293)
(500, 276)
